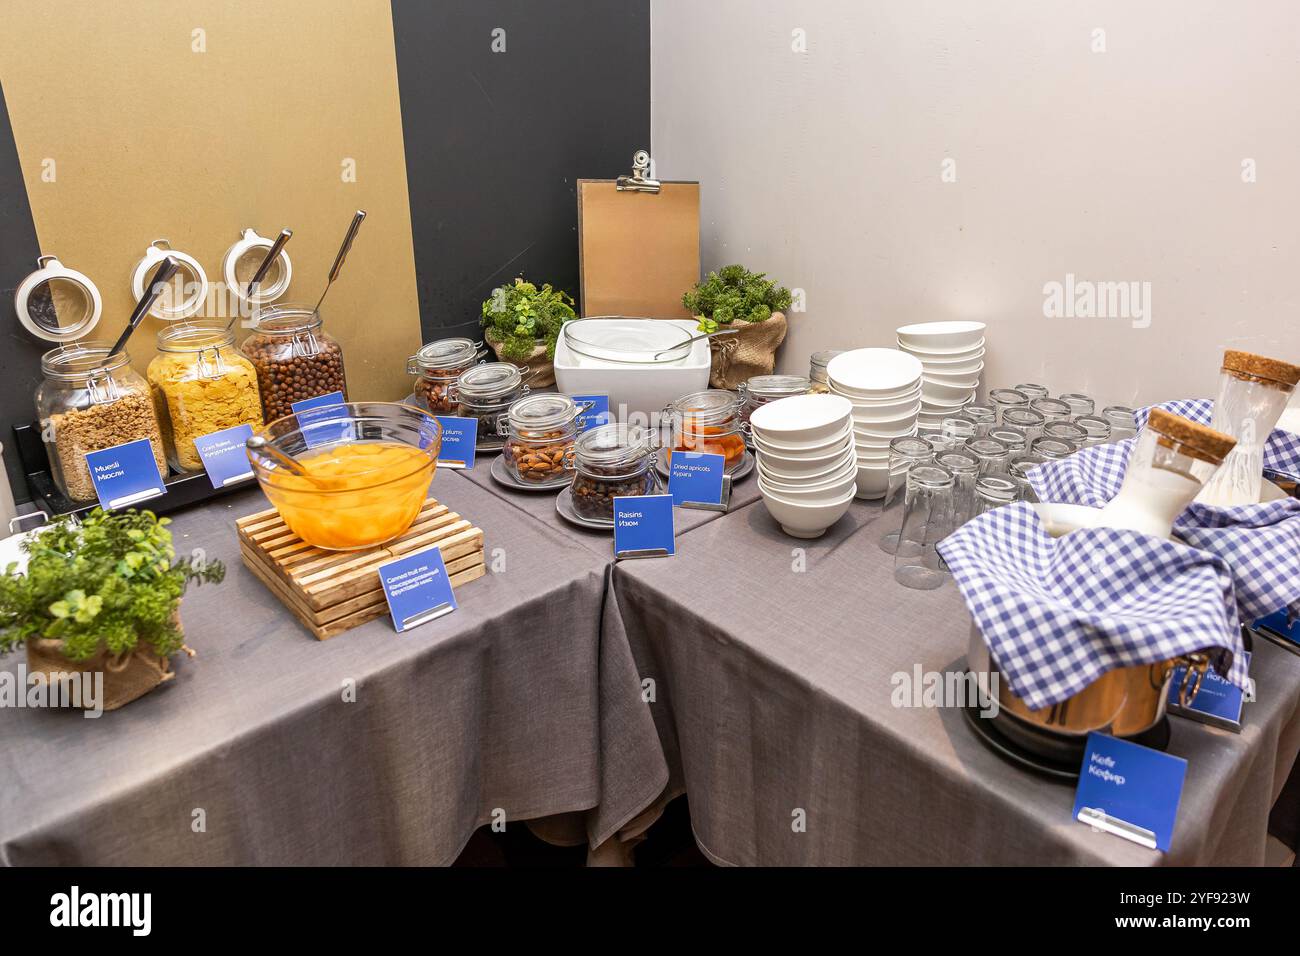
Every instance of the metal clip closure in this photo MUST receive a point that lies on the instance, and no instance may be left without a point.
(102, 388)
(639, 181)
(210, 364)
(305, 344)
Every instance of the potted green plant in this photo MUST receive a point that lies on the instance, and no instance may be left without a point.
(522, 322)
(749, 302)
(101, 594)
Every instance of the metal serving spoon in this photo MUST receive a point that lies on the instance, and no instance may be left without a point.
(260, 446)
(161, 276)
(343, 254)
(696, 338)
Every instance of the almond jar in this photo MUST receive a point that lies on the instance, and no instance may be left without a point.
(709, 422)
(539, 431)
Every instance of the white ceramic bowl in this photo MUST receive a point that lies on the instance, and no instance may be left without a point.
(944, 355)
(874, 372)
(873, 417)
(804, 460)
(954, 363)
(767, 468)
(888, 406)
(875, 433)
(795, 449)
(938, 392)
(872, 481)
(938, 336)
(942, 374)
(801, 420)
(824, 486)
(802, 520)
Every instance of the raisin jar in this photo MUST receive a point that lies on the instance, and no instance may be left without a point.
(539, 431)
(611, 461)
(708, 422)
(486, 392)
(436, 368)
(295, 358)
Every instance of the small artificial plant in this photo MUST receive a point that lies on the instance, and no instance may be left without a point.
(108, 581)
(734, 293)
(521, 316)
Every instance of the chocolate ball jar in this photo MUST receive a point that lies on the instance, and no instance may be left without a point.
(294, 356)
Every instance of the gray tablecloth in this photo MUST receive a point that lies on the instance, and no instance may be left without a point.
(541, 505)
(772, 661)
(514, 702)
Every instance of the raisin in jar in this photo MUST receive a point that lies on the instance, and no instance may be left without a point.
(539, 432)
(611, 461)
(709, 422)
(295, 358)
(486, 392)
(436, 368)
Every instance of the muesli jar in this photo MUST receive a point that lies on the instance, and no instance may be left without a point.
(539, 431)
(200, 384)
(486, 392)
(295, 358)
(87, 402)
(761, 389)
(437, 366)
(611, 461)
(708, 422)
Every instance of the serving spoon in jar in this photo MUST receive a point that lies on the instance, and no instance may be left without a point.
(335, 269)
(161, 276)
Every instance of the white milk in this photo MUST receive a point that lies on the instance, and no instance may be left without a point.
(1149, 501)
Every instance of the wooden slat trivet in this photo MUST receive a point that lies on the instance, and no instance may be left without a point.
(334, 591)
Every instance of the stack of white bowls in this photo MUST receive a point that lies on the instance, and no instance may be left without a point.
(952, 355)
(806, 468)
(883, 387)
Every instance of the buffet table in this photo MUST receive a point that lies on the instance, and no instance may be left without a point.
(774, 705)
(514, 702)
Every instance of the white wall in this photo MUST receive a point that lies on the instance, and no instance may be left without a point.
(824, 169)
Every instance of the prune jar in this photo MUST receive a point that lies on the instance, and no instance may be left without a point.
(436, 368)
(486, 392)
(761, 389)
(87, 402)
(294, 356)
(539, 432)
(709, 422)
(611, 461)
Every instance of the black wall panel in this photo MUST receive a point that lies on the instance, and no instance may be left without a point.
(18, 251)
(495, 140)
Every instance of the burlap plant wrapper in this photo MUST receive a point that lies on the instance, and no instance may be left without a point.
(126, 677)
(541, 367)
(738, 358)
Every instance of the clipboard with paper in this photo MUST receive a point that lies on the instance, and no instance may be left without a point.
(638, 244)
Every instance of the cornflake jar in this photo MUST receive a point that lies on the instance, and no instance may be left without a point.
(200, 384)
(539, 432)
(89, 402)
(486, 392)
(611, 461)
(761, 389)
(820, 383)
(437, 366)
(709, 422)
(295, 358)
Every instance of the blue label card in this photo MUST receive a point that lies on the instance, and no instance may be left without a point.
(696, 477)
(459, 441)
(224, 456)
(643, 526)
(125, 474)
(1276, 623)
(1129, 790)
(417, 588)
(311, 411)
(1217, 703)
(595, 416)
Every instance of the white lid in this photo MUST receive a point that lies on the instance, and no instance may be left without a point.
(185, 295)
(56, 303)
(241, 261)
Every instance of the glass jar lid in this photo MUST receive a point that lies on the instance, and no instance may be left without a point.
(81, 361)
(187, 291)
(819, 360)
(712, 406)
(775, 386)
(56, 303)
(492, 381)
(539, 413)
(617, 448)
(241, 262)
(442, 356)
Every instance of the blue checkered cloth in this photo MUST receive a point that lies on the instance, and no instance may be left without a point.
(1259, 543)
(1057, 613)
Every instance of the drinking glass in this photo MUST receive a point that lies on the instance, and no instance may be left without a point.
(1052, 409)
(1014, 438)
(965, 468)
(1096, 430)
(1032, 391)
(1018, 470)
(1003, 399)
(1080, 404)
(1123, 424)
(957, 431)
(1066, 431)
(993, 491)
(927, 519)
(904, 453)
(1026, 420)
(991, 454)
(983, 416)
(1052, 449)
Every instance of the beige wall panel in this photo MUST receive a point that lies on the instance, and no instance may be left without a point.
(151, 136)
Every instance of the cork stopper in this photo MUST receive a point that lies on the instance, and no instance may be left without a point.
(1195, 441)
(1246, 365)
